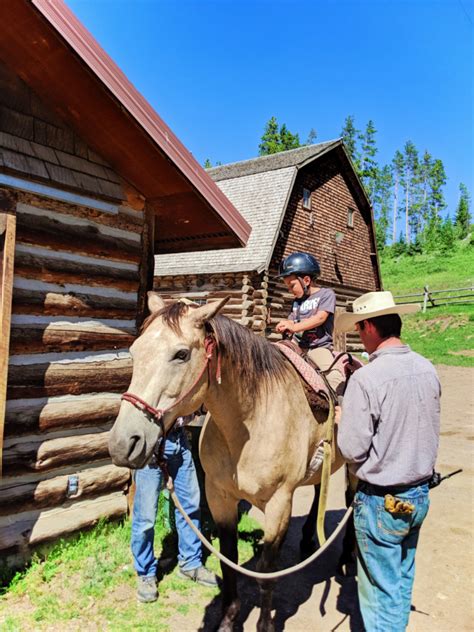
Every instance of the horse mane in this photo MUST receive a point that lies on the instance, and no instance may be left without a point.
(255, 359)
(171, 314)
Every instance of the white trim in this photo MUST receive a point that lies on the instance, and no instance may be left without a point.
(58, 194)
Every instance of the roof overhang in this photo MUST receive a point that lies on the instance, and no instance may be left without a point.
(57, 57)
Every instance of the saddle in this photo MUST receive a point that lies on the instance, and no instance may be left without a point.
(318, 391)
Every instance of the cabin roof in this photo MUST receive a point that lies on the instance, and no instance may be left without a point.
(50, 49)
(260, 189)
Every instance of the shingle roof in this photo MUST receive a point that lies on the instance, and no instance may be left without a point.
(259, 189)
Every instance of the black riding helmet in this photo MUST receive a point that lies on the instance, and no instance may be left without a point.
(299, 264)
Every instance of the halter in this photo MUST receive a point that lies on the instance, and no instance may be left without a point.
(210, 345)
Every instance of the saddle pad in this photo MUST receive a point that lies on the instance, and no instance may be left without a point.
(309, 375)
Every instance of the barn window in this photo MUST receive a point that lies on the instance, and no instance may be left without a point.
(307, 199)
(350, 217)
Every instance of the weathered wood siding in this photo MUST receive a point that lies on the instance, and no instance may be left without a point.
(77, 294)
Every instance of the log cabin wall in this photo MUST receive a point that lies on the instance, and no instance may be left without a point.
(77, 295)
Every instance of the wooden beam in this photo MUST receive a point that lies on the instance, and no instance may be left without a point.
(7, 245)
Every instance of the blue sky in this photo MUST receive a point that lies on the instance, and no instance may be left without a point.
(217, 70)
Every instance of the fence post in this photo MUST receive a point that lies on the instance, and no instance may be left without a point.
(425, 298)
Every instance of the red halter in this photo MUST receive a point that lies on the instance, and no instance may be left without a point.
(210, 345)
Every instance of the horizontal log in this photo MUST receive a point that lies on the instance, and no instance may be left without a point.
(42, 414)
(67, 337)
(40, 453)
(62, 277)
(75, 233)
(56, 304)
(122, 219)
(34, 527)
(34, 256)
(17, 496)
(51, 379)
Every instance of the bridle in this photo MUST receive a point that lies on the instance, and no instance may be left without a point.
(157, 414)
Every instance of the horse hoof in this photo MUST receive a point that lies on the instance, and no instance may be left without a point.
(265, 625)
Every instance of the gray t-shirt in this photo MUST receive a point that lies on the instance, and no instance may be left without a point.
(389, 429)
(323, 299)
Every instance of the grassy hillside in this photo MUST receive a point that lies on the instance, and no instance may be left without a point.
(444, 334)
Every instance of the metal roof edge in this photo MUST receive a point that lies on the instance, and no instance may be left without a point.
(74, 33)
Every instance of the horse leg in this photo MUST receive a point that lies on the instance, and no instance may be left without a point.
(277, 518)
(349, 541)
(309, 538)
(224, 512)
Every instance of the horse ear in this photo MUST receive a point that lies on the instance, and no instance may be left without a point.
(206, 312)
(155, 302)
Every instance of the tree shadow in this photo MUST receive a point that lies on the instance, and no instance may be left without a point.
(295, 589)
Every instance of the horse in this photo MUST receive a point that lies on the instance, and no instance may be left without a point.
(256, 445)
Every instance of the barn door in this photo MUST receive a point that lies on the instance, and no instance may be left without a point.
(7, 254)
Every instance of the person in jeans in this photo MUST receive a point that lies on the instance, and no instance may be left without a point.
(148, 484)
(389, 434)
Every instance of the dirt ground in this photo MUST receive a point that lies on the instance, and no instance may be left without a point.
(315, 599)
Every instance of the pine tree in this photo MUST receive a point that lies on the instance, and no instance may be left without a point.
(382, 196)
(368, 164)
(287, 139)
(312, 135)
(207, 164)
(425, 168)
(462, 220)
(350, 135)
(411, 166)
(270, 141)
(437, 203)
(398, 170)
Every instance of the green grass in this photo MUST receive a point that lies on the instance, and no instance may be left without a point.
(443, 334)
(88, 582)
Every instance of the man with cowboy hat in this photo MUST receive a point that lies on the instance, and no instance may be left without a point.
(388, 432)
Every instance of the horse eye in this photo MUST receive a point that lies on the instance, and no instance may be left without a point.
(182, 355)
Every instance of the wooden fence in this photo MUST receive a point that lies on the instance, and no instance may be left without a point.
(436, 298)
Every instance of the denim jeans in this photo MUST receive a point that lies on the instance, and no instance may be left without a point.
(386, 558)
(148, 482)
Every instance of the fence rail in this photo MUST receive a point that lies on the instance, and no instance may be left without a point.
(430, 298)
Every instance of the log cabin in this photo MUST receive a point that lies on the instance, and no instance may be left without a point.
(308, 199)
(92, 184)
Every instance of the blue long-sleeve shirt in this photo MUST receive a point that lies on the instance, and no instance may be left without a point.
(389, 428)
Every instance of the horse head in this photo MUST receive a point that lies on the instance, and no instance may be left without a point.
(169, 378)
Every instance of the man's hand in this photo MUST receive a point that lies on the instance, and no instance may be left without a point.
(285, 325)
(337, 414)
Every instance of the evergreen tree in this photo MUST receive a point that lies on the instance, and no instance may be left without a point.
(312, 135)
(462, 220)
(436, 195)
(382, 195)
(368, 164)
(398, 170)
(410, 176)
(425, 168)
(288, 140)
(270, 141)
(207, 164)
(350, 135)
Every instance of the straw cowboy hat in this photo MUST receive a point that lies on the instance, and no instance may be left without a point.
(371, 305)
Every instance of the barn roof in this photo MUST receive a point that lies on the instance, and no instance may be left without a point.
(49, 48)
(259, 189)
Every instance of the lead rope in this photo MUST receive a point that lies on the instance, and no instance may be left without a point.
(325, 543)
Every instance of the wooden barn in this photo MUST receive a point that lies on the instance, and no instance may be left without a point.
(308, 199)
(92, 184)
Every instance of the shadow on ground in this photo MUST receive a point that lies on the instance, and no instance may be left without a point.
(294, 590)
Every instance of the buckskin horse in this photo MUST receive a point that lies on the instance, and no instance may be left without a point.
(259, 440)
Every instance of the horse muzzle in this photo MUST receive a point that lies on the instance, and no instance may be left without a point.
(131, 443)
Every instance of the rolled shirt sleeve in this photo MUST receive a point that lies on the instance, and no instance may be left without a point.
(357, 426)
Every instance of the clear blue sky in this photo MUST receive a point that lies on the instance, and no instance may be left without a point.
(217, 70)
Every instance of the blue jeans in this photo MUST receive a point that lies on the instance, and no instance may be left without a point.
(386, 558)
(148, 482)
